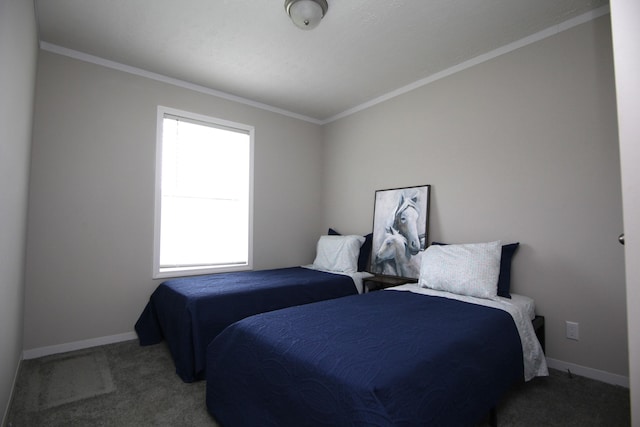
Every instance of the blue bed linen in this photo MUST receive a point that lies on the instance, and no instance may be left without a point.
(385, 358)
(190, 312)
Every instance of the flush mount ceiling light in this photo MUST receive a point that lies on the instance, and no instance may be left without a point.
(306, 14)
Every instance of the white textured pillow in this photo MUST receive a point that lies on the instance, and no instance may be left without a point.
(338, 253)
(470, 269)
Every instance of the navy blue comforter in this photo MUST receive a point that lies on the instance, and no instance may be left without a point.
(190, 312)
(387, 358)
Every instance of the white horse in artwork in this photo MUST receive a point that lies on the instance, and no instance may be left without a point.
(405, 220)
(394, 256)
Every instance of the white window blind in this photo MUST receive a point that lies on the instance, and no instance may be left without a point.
(205, 195)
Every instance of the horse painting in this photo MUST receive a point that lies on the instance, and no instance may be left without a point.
(400, 223)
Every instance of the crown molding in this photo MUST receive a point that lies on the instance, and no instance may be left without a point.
(551, 31)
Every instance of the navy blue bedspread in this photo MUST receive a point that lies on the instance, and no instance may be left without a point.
(189, 312)
(388, 358)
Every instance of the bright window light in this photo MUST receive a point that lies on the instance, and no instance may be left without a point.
(203, 195)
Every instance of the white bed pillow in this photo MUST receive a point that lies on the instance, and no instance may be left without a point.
(338, 253)
(469, 269)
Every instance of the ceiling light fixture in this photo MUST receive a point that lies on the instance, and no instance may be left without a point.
(306, 14)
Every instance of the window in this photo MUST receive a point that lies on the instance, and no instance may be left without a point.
(204, 195)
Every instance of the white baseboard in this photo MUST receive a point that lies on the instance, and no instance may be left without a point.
(77, 345)
(594, 374)
(13, 389)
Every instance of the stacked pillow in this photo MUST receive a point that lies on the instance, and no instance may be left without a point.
(476, 269)
(365, 249)
(338, 253)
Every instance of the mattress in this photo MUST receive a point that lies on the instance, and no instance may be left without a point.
(383, 358)
(189, 312)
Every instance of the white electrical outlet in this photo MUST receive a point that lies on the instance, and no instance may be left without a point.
(573, 330)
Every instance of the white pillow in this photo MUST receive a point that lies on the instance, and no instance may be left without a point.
(338, 253)
(470, 269)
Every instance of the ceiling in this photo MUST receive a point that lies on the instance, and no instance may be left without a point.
(249, 49)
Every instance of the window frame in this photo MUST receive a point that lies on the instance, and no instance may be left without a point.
(163, 112)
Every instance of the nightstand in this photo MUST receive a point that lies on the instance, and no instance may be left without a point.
(538, 327)
(375, 283)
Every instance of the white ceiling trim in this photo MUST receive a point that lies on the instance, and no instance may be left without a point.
(580, 19)
(586, 17)
(85, 57)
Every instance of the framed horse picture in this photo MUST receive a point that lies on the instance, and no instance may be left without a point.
(400, 226)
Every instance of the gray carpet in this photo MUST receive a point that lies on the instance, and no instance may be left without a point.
(127, 385)
(145, 390)
(68, 378)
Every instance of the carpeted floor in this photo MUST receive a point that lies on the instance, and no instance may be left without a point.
(145, 390)
(67, 378)
(127, 385)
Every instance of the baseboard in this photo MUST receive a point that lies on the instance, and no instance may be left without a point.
(77, 345)
(594, 374)
(13, 389)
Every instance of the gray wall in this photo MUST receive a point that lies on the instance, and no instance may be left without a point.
(18, 50)
(90, 240)
(520, 148)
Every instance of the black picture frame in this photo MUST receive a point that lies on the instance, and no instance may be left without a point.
(400, 231)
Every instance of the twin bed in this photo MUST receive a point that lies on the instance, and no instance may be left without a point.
(439, 352)
(403, 356)
(190, 312)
